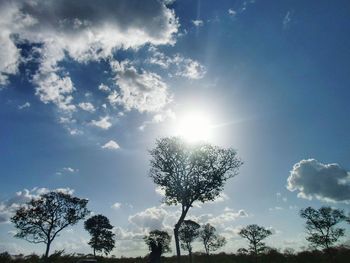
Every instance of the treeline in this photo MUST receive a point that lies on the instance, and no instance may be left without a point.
(341, 255)
(186, 174)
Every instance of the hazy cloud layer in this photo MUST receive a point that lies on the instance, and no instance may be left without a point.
(325, 182)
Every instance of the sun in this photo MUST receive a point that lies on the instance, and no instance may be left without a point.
(194, 127)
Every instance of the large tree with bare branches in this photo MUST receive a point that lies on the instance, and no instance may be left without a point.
(43, 218)
(190, 172)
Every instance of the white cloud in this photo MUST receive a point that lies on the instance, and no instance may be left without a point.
(222, 197)
(227, 217)
(159, 117)
(153, 218)
(325, 182)
(232, 12)
(82, 31)
(23, 106)
(116, 205)
(69, 169)
(104, 88)
(87, 106)
(51, 87)
(191, 69)
(143, 91)
(184, 67)
(111, 145)
(198, 22)
(159, 190)
(102, 123)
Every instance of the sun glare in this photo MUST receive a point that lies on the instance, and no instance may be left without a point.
(194, 127)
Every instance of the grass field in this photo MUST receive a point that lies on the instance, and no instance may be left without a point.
(340, 255)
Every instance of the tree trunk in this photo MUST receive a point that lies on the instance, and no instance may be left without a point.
(190, 254)
(256, 253)
(47, 251)
(94, 253)
(176, 233)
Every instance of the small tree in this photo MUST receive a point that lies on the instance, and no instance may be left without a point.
(321, 226)
(188, 232)
(43, 218)
(210, 239)
(255, 234)
(102, 238)
(158, 243)
(189, 173)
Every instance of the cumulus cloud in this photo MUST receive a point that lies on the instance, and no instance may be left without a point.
(81, 30)
(111, 145)
(325, 182)
(104, 88)
(152, 218)
(102, 123)
(86, 30)
(140, 90)
(87, 106)
(9, 206)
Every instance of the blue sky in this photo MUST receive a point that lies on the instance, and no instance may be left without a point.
(87, 88)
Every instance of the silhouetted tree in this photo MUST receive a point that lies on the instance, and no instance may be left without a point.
(188, 232)
(320, 226)
(43, 218)
(210, 239)
(255, 234)
(5, 257)
(158, 243)
(102, 238)
(189, 173)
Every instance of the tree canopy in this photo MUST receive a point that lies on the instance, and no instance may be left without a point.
(210, 239)
(188, 232)
(321, 225)
(43, 218)
(255, 235)
(158, 243)
(102, 238)
(190, 172)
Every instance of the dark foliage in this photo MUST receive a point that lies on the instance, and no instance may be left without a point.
(321, 226)
(255, 235)
(158, 243)
(341, 255)
(210, 239)
(188, 232)
(43, 218)
(102, 238)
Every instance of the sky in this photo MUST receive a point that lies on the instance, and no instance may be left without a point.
(87, 87)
